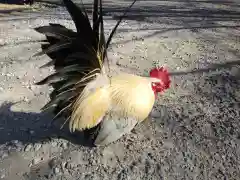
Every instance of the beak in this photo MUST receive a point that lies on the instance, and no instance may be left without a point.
(155, 80)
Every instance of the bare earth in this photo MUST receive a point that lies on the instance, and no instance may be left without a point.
(196, 134)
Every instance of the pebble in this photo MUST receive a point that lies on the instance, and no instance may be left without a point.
(53, 163)
(25, 99)
(36, 160)
(155, 114)
(69, 165)
(31, 87)
(64, 145)
(31, 132)
(15, 141)
(2, 176)
(4, 155)
(37, 147)
(54, 144)
(56, 170)
(28, 148)
(15, 118)
(9, 74)
(18, 148)
(63, 165)
(22, 128)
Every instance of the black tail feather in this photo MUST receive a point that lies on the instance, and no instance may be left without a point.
(81, 21)
(57, 31)
(116, 26)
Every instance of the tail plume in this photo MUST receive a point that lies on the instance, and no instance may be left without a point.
(76, 56)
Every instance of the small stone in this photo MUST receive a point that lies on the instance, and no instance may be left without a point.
(9, 75)
(69, 165)
(56, 170)
(88, 177)
(63, 165)
(48, 176)
(4, 155)
(37, 147)
(36, 160)
(25, 99)
(23, 129)
(28, 148)
(31, 87)
(15, 141)
(19, 146)
(64, 145)
(53, 163)
(2, 176)
(155, 114)
(54, 144)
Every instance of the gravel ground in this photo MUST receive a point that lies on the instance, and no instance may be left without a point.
(197, 135)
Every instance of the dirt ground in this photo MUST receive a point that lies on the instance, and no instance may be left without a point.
(197, 133)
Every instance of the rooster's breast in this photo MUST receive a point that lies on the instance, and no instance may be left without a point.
(132, 95)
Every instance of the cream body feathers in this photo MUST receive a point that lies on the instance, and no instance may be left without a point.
(124, 95)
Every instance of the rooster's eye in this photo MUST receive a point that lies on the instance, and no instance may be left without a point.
(154, 84)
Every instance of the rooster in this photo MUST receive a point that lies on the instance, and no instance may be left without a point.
(85, 94)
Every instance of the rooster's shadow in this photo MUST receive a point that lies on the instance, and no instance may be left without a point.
(31, 127)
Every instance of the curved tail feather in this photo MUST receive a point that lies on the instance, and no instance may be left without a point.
(77, 57)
